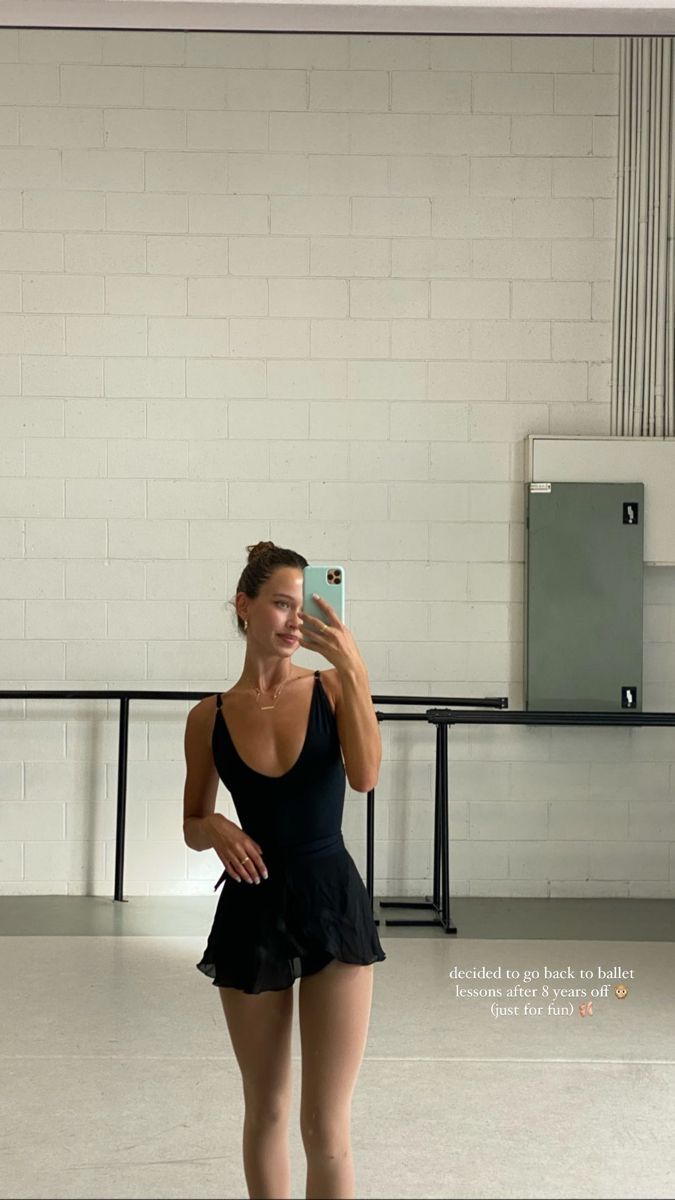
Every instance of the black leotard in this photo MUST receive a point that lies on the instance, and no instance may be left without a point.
(314, 906)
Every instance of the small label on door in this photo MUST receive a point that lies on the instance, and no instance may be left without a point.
(540, 487)
(629, 697)
(631, 512)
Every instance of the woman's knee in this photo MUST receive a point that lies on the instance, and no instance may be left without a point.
(326, 1134)
(266, 1109)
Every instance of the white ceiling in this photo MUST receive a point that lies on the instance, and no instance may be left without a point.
(571, 17)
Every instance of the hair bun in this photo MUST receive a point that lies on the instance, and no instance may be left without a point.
(259, 548)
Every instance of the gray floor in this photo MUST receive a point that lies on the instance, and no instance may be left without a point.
(473, 917)
(119, 1078)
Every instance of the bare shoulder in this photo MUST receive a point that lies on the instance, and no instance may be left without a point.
(202, 711)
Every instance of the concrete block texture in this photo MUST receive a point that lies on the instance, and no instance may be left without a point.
(316, 290)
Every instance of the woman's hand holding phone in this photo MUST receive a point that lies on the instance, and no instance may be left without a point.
(330, 637)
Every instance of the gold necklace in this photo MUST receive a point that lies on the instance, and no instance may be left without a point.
(266, 707)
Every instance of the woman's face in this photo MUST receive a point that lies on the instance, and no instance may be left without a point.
(273, 616)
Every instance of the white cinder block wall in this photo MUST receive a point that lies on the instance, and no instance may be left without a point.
(312, 288)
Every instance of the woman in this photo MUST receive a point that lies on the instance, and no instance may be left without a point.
(303, 910)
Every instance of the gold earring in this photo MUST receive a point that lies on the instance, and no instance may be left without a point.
(245, 625)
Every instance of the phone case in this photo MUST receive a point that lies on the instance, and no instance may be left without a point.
(328, 581)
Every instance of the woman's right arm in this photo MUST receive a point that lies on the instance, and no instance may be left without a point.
(203, 827)
(201, 781)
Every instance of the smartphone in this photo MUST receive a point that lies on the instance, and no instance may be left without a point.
(328, 581)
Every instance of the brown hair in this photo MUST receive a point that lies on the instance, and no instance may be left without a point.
(263, 560)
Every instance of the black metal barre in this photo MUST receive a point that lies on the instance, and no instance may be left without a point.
(553, 717)
(440, 900)
(125, 695)
(480, 714)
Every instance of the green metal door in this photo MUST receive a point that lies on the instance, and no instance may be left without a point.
(583, 596)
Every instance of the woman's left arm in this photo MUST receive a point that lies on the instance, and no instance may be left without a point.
(356, 721)
(358, 729)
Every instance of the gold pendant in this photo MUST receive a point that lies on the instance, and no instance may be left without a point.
(264, 707)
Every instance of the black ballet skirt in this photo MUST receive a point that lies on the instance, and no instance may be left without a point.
(314, 906)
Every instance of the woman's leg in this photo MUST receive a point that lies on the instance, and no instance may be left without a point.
(260, 1030)
(334, 1011)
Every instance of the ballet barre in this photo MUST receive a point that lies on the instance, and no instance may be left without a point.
(125, 696)
(435, 901)
(439, 900)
